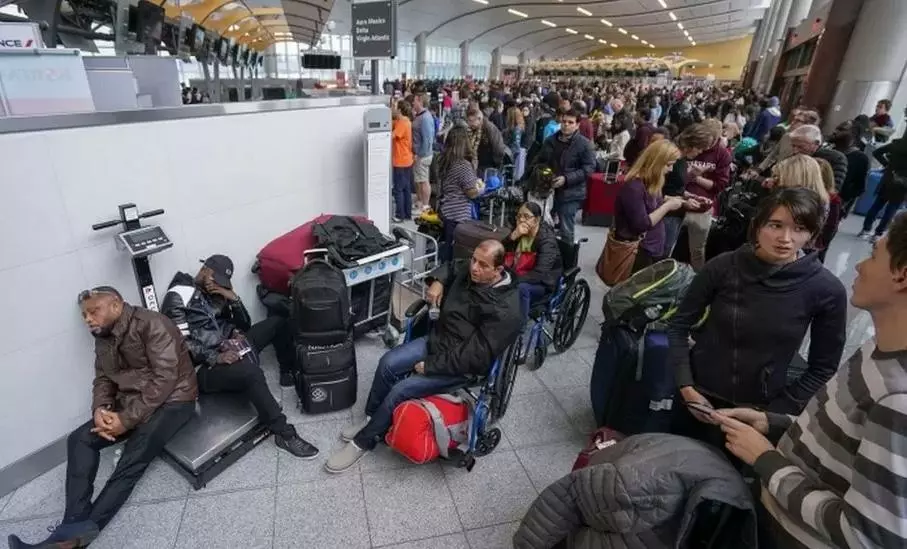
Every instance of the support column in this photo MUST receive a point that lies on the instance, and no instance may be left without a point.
(774, 46)
(421, 62)
(771, 22)
(865, 76)
(270, 63)
(522, 65)
(495, 71)
(464, 58)
(799, 10)
(758, 39)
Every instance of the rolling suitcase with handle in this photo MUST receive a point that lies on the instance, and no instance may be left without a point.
(469, 234)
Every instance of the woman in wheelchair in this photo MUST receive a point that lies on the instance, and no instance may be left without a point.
(533, 255)
(479, 319)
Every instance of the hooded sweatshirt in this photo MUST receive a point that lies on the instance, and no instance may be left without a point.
(767, 119)
(715, 164)
(758, 314)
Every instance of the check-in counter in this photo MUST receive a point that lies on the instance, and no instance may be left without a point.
(230, 177)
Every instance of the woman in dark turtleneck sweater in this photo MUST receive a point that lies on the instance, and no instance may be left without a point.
(760, 298)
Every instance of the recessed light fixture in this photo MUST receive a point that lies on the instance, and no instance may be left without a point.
(680, 26)
(644, 43)
(672, 16)
(589, 37)
(613, 45)
(517, 13)
(549, 23)
(606, 22)
(634, 37)
(571, 31)
(584, 11)
(662, 2)
(622, 31)
(651, 45)
(687, 34)
(693, 43)
(600, 41)
(483, 2)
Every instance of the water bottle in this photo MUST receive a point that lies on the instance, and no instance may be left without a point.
(434, 312)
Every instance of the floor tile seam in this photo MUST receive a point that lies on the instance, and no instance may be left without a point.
(197, 494)
(368, 522)
(179, 527)
(453, 501)
(127, 505)
(274, 513)
(428, 538)
(564, 410)
(526, 471)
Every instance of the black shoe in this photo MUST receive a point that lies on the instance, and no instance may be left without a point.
(64, 536)
(286, 379)
(296, 445)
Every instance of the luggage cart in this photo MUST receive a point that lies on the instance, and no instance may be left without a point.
(409, 282)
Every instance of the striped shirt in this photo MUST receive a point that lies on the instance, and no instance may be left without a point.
(459, 177)
(839, 475)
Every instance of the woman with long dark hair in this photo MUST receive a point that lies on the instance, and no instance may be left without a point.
(533, 255)
(459, 184)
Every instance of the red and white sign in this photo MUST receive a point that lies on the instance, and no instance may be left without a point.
(20, 36)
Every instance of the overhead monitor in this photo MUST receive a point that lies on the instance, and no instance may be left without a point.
(150, 22)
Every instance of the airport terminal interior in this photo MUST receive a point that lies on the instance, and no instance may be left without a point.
(283, 149)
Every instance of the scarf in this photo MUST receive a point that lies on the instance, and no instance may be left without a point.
(475, 138)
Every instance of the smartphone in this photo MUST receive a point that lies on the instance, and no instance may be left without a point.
(701, 408)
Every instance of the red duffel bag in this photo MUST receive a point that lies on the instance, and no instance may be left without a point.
(425, 429)
(283, 256)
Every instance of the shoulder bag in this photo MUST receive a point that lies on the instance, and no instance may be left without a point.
(615, 262)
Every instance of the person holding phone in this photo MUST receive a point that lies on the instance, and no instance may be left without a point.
(759, 300)
(707, 175)
(837, 475)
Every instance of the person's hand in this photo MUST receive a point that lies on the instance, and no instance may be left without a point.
(559, 182)
(692, 204)
(673, 203)
(112, 428)
(419, 368)
(435, 293)
(695, 170)
(756, 419)
(214, 289)
(689, 394)
(228, 357)
(101, 421)
(768, 183)
(521, 229)
(742, 440)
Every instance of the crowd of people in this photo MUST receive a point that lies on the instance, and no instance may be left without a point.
(826, 444)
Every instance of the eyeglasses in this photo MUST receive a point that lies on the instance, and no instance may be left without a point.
(525, 216)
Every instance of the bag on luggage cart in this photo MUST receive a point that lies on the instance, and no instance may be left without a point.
(469, 234)
(427, 428)
(600, 439)
(326, 376)
(349, 239)
(320, 302)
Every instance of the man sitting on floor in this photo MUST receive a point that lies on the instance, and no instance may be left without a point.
(480, 317)
(225, 344)
(144, 391)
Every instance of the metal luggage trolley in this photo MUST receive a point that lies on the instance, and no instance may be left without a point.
(409, 281)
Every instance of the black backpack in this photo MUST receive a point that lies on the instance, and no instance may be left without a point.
(349, 240)
(320, 300)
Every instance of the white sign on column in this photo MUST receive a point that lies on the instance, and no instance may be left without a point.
(20, 36)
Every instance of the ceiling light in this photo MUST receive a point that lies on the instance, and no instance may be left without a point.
(549, 23)
(651, 45)
(589, 37)
(600, 41)
(694, 43)
(613, 45)
(634, 37)
(484, 2)
(672, 16)
(680, 26)
(584, 11)
(606, 22)
(517, 13)
(644, 43)
(571, 31)
(687, 34)
(622, 31)
(662, 2)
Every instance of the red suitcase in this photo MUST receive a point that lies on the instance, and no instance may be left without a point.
(598, 209)
(282, 257)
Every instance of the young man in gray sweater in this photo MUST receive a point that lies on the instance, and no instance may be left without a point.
(838, 475)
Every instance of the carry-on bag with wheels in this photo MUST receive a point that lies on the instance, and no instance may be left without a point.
(326, 376)
(469, 234)
(425, 429)
(320, 303)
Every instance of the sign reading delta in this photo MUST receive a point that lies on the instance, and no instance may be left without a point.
(16, 35)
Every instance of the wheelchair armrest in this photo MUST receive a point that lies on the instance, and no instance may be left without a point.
(416, 308)
(571, 273)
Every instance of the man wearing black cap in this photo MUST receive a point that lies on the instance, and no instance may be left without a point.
(225, 344)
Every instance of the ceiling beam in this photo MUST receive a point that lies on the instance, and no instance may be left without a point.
(582, 50)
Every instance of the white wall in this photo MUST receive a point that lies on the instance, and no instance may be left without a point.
(229, 184)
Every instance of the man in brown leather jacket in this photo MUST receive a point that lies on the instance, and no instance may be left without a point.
(144, 391)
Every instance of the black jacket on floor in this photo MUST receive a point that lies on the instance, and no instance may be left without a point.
(476, 325)
(758, 316)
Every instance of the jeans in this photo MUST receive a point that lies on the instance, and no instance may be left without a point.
(891, 208)
(672, 232)
(402, 190)
(246, 377)
(566, 217)
(395, 382)
(698, 225)
(143, 445)
(529, 293)
(277, 331)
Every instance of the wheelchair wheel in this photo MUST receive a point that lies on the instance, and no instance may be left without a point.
(572, 315)
(539, 354)
(503, 385)
(488, 442)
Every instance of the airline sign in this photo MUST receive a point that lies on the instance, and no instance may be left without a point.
(20, 36)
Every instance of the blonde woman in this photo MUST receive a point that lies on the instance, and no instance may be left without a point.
(799, 170)
(640, 205)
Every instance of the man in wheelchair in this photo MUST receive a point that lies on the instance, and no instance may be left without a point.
(479, 318)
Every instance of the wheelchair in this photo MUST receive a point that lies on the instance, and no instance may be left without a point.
(565, 310)
(494, 392)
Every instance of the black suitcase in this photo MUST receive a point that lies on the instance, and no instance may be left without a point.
(469, 234)
(321, 358)
(326, 376)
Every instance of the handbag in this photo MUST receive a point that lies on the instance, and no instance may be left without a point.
(615, 263)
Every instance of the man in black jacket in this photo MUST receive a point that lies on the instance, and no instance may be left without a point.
(572, 158)
(480, 317)
(225, 344)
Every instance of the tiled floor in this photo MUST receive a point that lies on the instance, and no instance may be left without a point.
(270, 499)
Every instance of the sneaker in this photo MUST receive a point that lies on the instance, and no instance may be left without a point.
(864, 234)
(64, 536)
(397, 219)
(344, 458)
(296, 445)
(348, 433)
(286, 379)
